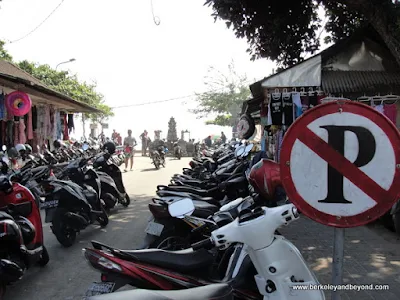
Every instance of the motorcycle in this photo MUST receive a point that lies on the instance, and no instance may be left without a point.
(71, 207)
(177, 151)
(21, 232)
(158, 157)
(279, 264)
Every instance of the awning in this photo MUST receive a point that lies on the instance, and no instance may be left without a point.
(306, 73)
(13, 78)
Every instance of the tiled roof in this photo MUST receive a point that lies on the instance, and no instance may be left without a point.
(341, 82)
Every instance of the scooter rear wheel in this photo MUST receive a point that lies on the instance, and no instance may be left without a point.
(65, 236)
(103, 219)
(126, 201)
(44, 257)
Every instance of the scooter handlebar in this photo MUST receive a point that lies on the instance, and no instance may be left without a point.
(207, 243)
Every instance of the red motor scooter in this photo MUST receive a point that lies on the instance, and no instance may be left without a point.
(21, 232)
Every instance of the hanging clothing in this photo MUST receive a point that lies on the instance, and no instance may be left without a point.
(34, 118)
(29, 126)
(47, 122)
(3, 132)
(275, 106)
(10, 129)
(65, 131)
(264, 112)
(305, 103)
(16, 133)
(3, 109)
(379, 108)
(288, 112)
(390, 111)
(22, 136)
(298, 111)
(313, 100)
(58, 126)
(52, 121)
(70, 123)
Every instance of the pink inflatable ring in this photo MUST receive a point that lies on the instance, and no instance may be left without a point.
(18, 103)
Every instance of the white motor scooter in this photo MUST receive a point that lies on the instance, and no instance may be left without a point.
(282, 271)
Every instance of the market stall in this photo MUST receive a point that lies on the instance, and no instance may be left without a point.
(32, 113)
(359, 68)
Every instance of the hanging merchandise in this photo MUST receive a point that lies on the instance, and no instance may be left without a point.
(246, 127)
(305, 102)
(22, 136)
(70, 123)
(10, 129)
(288, 113)
(29, 126)
(313, 99)
(47, 122)
(59, 128)
(275, 106)
(298, 109)
(3, 110)
(264, 112)
(34, 118)
(16, 133)
(65, 131)
(18, 103)
(52, 121)
(390, 111)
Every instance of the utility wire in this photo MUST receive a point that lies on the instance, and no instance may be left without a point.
(38, 26)
(160, 101)
(156, 19)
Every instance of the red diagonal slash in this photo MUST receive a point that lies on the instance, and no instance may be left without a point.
(343, 165)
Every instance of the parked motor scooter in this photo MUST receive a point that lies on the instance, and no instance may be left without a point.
(71, 207)
(21, 232)
(110, 175)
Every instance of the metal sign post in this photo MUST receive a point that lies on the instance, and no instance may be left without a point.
(337, 263)
(340, 167)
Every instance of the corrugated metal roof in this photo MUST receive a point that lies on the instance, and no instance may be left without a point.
(10, 69)
(360, 82)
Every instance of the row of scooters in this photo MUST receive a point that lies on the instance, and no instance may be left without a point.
(212, 235)
(72, 196)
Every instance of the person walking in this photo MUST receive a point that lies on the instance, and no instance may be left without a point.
(129, 149)
(223, 137)
(143, 137)
(208, 141)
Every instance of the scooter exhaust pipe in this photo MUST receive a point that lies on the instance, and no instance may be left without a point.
(76, 220)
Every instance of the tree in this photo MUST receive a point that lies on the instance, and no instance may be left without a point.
(224, 96)
(4, 55)
(172, 135)
(285, 31)
(69, 85)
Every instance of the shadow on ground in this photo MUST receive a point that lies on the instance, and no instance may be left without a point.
(372, 256)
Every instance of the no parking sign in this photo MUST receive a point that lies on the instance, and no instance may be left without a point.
(340, 164)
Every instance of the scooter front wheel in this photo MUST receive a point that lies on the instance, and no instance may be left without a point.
(65, 236)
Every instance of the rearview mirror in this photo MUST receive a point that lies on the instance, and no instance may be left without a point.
(247, 150)
(85, 147)
(4, 147)
(5, 160)
(240, 151)
(181, 208)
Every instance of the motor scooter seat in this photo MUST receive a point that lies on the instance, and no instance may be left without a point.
(165, 193)
(187, 189)
(204, 209)
(183, 260)
(216, 291)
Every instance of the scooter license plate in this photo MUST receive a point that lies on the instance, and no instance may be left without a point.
(154, 228)
(49, 204)
(99, 288)
(49, 215)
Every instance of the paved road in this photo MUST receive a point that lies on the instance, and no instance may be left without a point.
(67, 276)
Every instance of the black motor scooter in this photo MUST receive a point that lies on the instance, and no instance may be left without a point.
(71, 207)
(112, 186)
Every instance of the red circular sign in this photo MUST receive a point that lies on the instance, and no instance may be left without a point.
(369, 198)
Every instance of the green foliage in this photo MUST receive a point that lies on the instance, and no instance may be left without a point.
(172, 135)
(64, 83)
(224, 96)
(4, 55)
(285, 31)
(69, 85)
